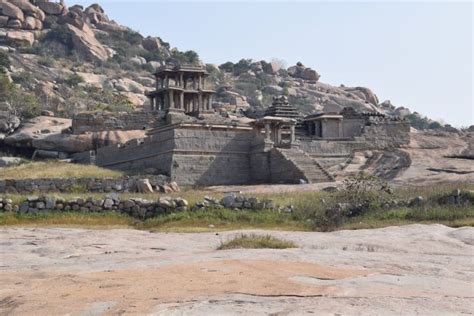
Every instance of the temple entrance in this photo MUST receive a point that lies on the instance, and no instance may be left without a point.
(278, 130)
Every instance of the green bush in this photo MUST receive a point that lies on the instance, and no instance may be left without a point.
(227, 67)
(188, 57)
(363, 193)
(254, 241)
(61, 34)
(73, 80)
(5, 85)
(23, 78)
(4, 61)
(46, 61)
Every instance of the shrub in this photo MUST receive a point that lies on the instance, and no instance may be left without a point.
(46, 61)
(188, 57)
(254, 241)
(158, 55)
(22, 102)
(73, 80)
(61, 34)
(23, 78)
(5, 85)
(227, 67)
(4, 61)
(364, 192)
(242, 66)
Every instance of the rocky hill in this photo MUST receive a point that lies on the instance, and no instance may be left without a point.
(67, 59)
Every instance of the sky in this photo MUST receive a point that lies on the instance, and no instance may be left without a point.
(416, 54)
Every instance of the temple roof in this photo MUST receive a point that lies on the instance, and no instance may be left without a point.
(281, 108)
(181, 69)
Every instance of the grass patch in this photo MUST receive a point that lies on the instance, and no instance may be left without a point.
(224, 219)
(445, 215)
(55, 169)
(62, 219)
(254, 241)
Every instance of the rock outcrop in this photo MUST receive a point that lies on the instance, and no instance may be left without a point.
(50, 134)
(302, 72)
(12, 11)
(52, 8)
(84, 41)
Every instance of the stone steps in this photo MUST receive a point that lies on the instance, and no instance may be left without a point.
(311, 169)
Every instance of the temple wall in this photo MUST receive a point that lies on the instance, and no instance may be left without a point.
(330, 152)
(283, 170)
(205, 156)
(154, 152)
(352, 127)
(259, 161)
(392, 134)
(107, 121)
(331, 129)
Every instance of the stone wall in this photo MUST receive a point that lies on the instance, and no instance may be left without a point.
(205, 156)
(190, 156)
(391, 134)
(259, 161)
(153, 152)
(283, 170)
(99, 185)
(134, 207)
(107, 121)
(352, 127)
(331, 153)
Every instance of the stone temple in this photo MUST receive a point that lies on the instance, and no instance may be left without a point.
(187, 141)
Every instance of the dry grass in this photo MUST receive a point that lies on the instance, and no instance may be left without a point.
(55, 169)
(57, 219)
(254, 241)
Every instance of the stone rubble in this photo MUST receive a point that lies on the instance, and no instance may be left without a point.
(239, 202)
(97, 185)
(135, 207)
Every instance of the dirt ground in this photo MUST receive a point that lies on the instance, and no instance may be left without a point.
(417, 269)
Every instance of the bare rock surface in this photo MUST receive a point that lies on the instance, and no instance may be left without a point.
(84, 40)
(395, 270)
(37, 128)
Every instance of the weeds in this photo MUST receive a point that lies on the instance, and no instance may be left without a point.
(54, 169)
(254, 241)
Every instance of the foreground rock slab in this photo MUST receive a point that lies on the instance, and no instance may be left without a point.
(395, 270)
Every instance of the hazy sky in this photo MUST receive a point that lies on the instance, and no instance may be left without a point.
(416, 54)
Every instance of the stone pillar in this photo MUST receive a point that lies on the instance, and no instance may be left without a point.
(200, 103)
(199, 82)
(171, 99)
(181, 81)
(181, 100)
(293, 136)
(194, 82)
(167, 81)
(209, 102)
(194, 103)
(267, 132)
(152, 103)
(341, 130)
(322, 129)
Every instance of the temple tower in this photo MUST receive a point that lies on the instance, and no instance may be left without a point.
(181, 89)
(281, 108)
